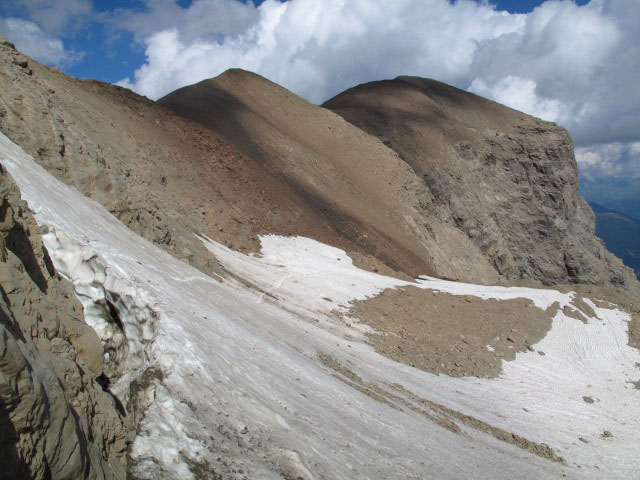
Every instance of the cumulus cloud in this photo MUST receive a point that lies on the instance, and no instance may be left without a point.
(620, 160)
(520, 93)
(320, 47)
(58, 17)
(577, 65)
(32, 40)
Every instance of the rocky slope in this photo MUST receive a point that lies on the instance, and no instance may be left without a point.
(124, 151)
(57, 416)
(162, 175)
(358, 189)
(507, 181)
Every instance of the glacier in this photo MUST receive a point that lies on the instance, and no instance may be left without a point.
(259, 376)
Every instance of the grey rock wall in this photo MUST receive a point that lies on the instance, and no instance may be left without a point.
(57, 418)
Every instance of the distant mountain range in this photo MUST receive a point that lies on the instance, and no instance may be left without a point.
(612, 192)
(620, 232)
(629, 206)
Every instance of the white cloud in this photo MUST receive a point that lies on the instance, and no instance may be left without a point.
(318, 48)
(619, 160)
(520, 93)
(30, 39)
(559, 62)
(584, 57)
(60, 16)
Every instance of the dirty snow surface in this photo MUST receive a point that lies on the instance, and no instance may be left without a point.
(258, 376)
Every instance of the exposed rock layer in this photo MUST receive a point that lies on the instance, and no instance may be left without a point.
(57, 417)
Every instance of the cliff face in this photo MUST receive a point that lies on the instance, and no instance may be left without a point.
(506, 180)
(57, 417)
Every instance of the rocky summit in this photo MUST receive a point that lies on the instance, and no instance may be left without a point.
(505, 182)
(232, 282)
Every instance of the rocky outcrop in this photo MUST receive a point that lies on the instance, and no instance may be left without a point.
(507, 181)
(57, 416)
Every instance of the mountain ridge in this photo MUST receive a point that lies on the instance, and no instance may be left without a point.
(287, 167)
(628, 205)
(251, 104)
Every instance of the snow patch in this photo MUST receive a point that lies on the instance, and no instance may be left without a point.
(297, 269)
(542, 298)
(537, 396)
(117, 310)
(162, 442)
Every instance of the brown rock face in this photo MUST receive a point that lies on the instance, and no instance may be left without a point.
(506, 180)
(56, 421)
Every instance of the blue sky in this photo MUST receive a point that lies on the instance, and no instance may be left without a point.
(575, 62)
